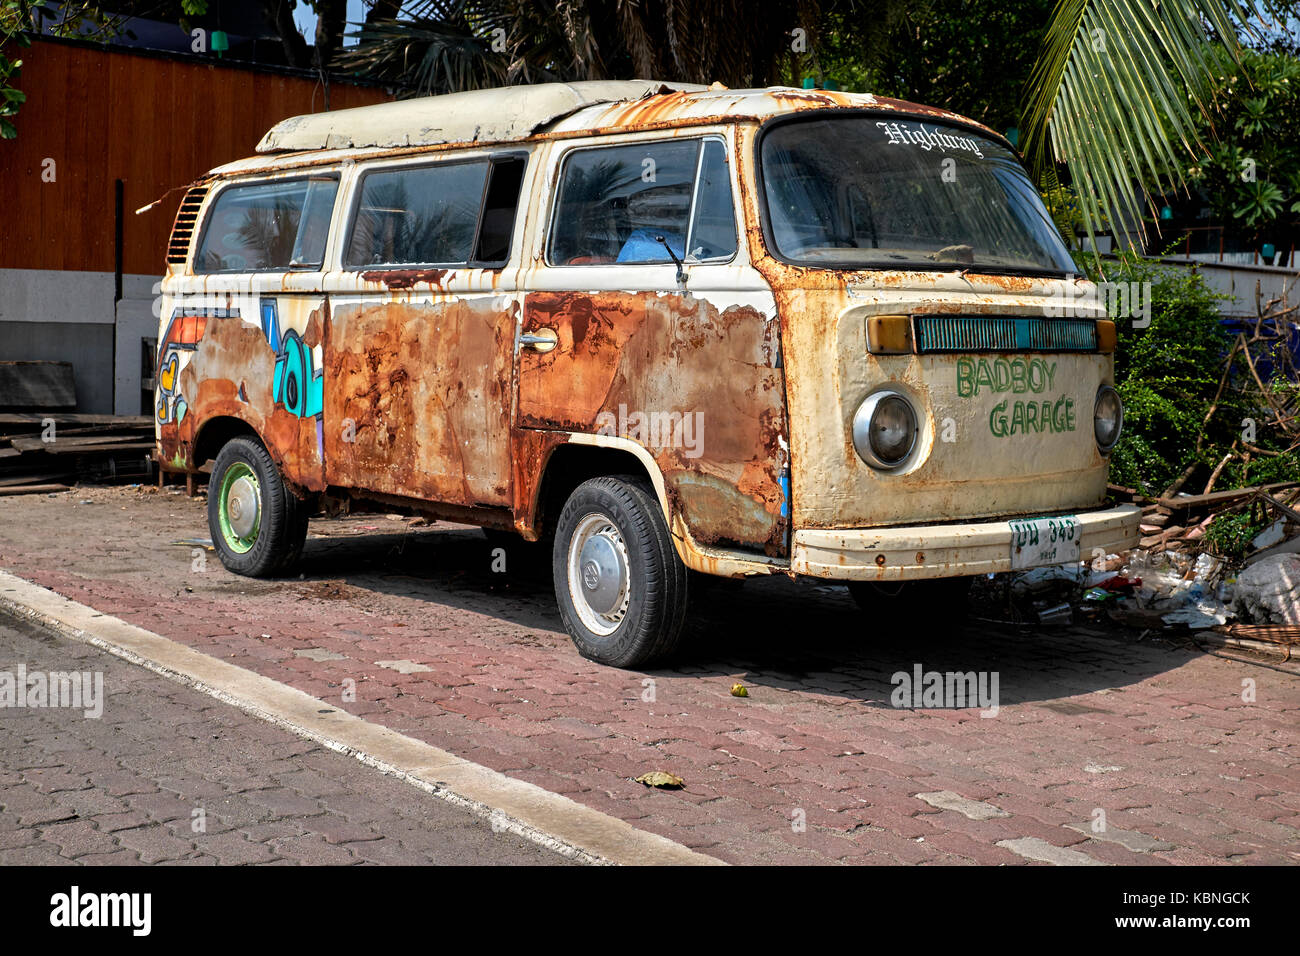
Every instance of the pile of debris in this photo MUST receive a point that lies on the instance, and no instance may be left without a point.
(46, 446)
(1179, 523)
(51, 450)
(1172, 582)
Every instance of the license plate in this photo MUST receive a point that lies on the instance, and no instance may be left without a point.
(1039, 541)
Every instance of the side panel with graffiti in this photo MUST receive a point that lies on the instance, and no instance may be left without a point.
(243, 328)
(256, 357)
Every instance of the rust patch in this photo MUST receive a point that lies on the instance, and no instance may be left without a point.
(698, 386)
(231, 375)
(419, 400)
(406, 278)
(531, 451)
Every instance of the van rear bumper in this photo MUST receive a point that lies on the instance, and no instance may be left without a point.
(940, 551)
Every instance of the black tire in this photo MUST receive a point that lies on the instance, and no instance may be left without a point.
(648, 621)
(276, 543)
(933, 602)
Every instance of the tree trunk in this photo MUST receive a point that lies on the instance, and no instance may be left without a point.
(279, 14)
(331, 22)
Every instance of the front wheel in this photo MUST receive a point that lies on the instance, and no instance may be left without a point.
(619, 583)
(258, 526)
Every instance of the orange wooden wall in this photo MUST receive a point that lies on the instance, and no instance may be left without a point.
(154, 122)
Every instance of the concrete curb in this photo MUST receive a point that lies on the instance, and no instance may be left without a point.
(524, 809)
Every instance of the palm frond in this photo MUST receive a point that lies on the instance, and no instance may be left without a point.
(1114, 94)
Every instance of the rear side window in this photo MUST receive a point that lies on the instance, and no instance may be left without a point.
(425, 215)
(267, 227)
(633, 203)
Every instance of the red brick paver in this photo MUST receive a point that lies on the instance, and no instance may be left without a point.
(814, 766)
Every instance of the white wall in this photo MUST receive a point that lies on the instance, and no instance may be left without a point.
(70, 316)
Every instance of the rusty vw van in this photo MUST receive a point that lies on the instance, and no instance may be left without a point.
(670, 330)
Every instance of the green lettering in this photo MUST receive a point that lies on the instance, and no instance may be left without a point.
(965, 378)
(1035, 376)
(1018, 376)
(1002, 374)
(998, 420)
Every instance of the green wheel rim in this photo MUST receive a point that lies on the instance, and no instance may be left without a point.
(235, 485)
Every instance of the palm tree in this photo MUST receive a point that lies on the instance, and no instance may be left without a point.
(440, 46)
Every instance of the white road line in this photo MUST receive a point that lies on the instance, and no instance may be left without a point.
(521, 808)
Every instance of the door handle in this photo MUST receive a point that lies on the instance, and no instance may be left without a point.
(543, 340)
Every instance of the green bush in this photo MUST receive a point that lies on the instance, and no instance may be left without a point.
(1229, 535)
(1168, 373)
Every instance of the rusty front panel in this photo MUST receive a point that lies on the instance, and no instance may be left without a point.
(221, 356)
(964, 468)
(1000, 434)
(419, 396)
(704, 378)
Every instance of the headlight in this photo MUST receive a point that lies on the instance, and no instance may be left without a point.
(884, 429)
(1107, 418)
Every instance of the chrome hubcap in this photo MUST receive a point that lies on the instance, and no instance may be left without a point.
(598, 574)
(242, 506)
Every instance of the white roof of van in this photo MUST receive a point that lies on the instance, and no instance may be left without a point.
(495, 115)
(517, 112)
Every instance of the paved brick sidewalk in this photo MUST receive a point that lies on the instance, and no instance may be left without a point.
(1158, 739)
(124, 788)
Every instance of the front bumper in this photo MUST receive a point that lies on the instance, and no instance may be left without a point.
(941, 551)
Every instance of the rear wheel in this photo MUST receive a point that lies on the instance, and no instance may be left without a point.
(621, 587)
(934, 602)
(258, 526)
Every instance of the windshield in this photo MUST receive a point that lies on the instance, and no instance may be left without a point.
(859, 191)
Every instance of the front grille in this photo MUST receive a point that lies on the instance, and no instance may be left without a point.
(178, 249)
(1003, 333)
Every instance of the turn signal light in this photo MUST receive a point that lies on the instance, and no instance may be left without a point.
(889, 334)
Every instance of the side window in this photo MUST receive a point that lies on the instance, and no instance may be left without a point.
(270, 226)
(626, 203)
(713, 221)
(500, 205)
(421, 215)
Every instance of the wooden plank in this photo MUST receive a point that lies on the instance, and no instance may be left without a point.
(34, 478)
(59, 449)
(37, 385)
(31, 489)
(89, 441)
(37, 419)
(1217, 498)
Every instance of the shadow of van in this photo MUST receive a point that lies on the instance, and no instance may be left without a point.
(802, 635)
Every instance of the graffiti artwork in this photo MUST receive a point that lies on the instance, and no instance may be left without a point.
(175, 351)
